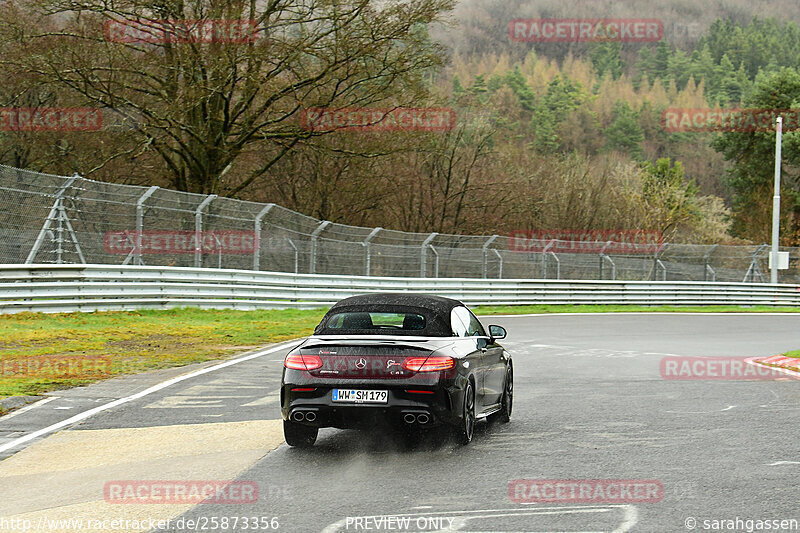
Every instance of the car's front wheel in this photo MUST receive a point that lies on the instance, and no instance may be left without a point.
(467, 427)
(299, 435)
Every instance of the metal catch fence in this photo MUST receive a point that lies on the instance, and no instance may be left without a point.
(71, 220)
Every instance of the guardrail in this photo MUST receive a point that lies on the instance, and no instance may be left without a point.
(68, 288)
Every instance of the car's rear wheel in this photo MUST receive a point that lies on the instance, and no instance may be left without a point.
(299, 435)
(467, 427)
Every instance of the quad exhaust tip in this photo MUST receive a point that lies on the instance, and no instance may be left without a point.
(300, 415)
(421, 418)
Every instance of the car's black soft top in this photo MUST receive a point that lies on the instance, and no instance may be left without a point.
(435, 309)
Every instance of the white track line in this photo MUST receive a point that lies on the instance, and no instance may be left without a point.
(155, 388)
(27, 408)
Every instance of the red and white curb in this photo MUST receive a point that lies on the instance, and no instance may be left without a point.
(780, 363)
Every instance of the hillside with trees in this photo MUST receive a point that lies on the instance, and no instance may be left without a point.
(547, 135)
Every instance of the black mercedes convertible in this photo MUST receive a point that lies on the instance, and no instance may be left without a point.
(415, 361)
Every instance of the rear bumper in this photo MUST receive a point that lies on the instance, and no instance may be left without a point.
(316, 408)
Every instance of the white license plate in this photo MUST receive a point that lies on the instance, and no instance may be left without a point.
(360, 396)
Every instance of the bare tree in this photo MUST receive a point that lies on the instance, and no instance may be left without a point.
(448, 183)
(201, 106)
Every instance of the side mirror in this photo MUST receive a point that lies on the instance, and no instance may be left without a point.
(497, 332)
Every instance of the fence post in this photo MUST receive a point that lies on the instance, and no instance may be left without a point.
(602, 258)
(198, 229)
(367, 255)
(423, 262)
(558, 264)
(312, 268)
(54, 212)
(486, 255)
(500, 266)
(257, 249)
(707, 267)
(296, 255)
(656, 261)
(140, 223)
(753, 270)
(435, 260)
(544, 258)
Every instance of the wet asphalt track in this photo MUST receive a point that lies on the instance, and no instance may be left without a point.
(589, 404)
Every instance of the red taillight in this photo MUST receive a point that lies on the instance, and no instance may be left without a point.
(303, 389)
(419, 391)
(429, 364)
(302, 362)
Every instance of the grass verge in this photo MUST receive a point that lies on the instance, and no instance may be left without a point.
(129, 342)
(136, 341)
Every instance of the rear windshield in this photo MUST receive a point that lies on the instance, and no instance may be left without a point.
(383, 320)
